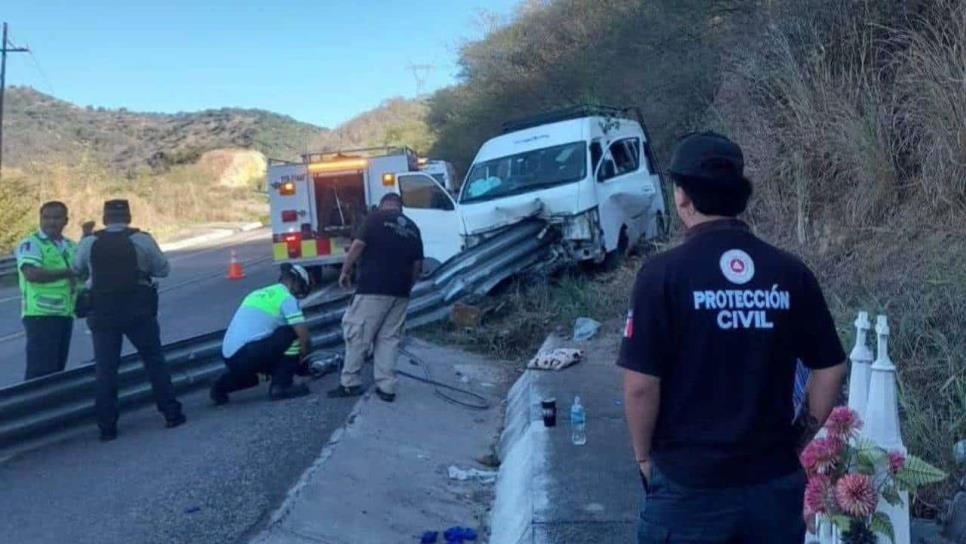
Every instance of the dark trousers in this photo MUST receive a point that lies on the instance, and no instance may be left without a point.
(265, 356)
(48, 344)
(767, 512)
(144, 333)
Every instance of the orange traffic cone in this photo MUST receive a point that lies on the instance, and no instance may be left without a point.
(234, 267)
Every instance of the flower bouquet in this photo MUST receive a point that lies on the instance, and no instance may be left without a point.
(848, 475)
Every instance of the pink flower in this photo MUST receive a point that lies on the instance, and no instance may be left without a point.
(856, 495)
(818, 494)
(843, 422)
(821, 455)
(896, 461)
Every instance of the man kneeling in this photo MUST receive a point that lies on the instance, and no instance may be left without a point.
(268, 336)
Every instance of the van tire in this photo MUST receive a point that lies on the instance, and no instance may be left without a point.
(613, 259)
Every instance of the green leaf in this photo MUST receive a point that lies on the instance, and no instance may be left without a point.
(880, 523)
(841, 521)
(891, 495)
(916, 473)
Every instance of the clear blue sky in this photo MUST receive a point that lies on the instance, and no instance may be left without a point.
(319, 61)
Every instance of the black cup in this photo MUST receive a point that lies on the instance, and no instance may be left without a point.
(549, 408)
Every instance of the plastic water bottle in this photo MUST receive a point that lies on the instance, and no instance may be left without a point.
(578, 423)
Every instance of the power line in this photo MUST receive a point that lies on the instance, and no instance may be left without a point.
(43, 74)
(5, 47)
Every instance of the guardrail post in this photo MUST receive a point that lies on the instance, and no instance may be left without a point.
(861, 358)
(882, 424)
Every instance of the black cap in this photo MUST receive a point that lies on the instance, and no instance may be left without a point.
(707, 156)
(118, 208)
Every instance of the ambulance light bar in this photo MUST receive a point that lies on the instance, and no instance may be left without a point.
(334, 166)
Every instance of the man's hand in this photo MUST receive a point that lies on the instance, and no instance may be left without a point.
(645, 468)
(809, 522)
(345, 280)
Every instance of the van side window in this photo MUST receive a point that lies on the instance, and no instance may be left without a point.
(420, 192)
(623, 157)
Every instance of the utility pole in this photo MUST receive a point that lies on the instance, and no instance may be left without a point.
(5, 47)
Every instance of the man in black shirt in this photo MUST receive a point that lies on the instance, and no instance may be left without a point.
(709, 351)
(389, 249)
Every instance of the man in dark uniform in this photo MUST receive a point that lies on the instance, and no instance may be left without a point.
(122, 263)
(710, 349)
(390, 251)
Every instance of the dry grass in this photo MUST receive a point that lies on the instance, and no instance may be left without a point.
(857, 132)
(527, 311)
(162, 204)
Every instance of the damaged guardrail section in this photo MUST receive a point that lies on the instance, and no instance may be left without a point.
(59, 401)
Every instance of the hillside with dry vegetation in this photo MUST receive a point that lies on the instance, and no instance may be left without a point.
(852, 114)
(177, 169)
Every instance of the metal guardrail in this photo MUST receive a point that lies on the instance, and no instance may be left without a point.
(8, 266)
(59, 401)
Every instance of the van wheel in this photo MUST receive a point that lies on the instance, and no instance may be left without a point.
(613, 260)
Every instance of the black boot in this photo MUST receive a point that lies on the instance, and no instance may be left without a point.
(342, 392)
(218, 397)
(278, 392)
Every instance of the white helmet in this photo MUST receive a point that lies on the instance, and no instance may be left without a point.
(300, 275)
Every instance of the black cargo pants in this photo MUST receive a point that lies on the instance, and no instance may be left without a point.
(265, 356)
(48, 344)
(143, 331)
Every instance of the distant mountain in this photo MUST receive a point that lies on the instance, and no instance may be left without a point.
(39, 127)
(43, 129)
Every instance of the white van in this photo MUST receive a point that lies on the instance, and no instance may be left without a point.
(588, 171)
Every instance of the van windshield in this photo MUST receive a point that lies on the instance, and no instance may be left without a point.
(525, 172)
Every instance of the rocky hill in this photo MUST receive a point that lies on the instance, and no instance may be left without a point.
(43, 129)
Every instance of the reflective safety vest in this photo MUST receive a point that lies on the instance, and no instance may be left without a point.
(269, 300)
(48, 299)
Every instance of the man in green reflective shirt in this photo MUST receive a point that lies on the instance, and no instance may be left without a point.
(48, 287)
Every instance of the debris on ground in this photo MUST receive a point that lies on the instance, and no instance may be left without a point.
(556, 359)
(457, 535)
(466, 316)
(585, 328)
(483, 476)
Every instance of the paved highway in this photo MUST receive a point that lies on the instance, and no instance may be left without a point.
(196, 298)
(214, 480)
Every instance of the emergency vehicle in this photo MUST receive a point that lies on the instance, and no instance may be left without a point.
(588, 171)
(317, 204)
(443, 172)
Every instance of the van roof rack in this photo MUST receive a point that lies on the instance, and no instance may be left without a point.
(573, 112)
(364, 152)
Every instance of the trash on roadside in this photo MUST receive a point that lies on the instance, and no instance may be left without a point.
(483, 476)
(429, 537)
(457, 535)
(556, 359)
(320, 363)
(466, 316)
(585, 328)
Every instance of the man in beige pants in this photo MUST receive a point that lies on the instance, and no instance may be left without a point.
(389, 250)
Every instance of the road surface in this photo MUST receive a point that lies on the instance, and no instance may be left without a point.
(196, 298)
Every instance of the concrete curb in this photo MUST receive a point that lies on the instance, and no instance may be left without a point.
(520, 442)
